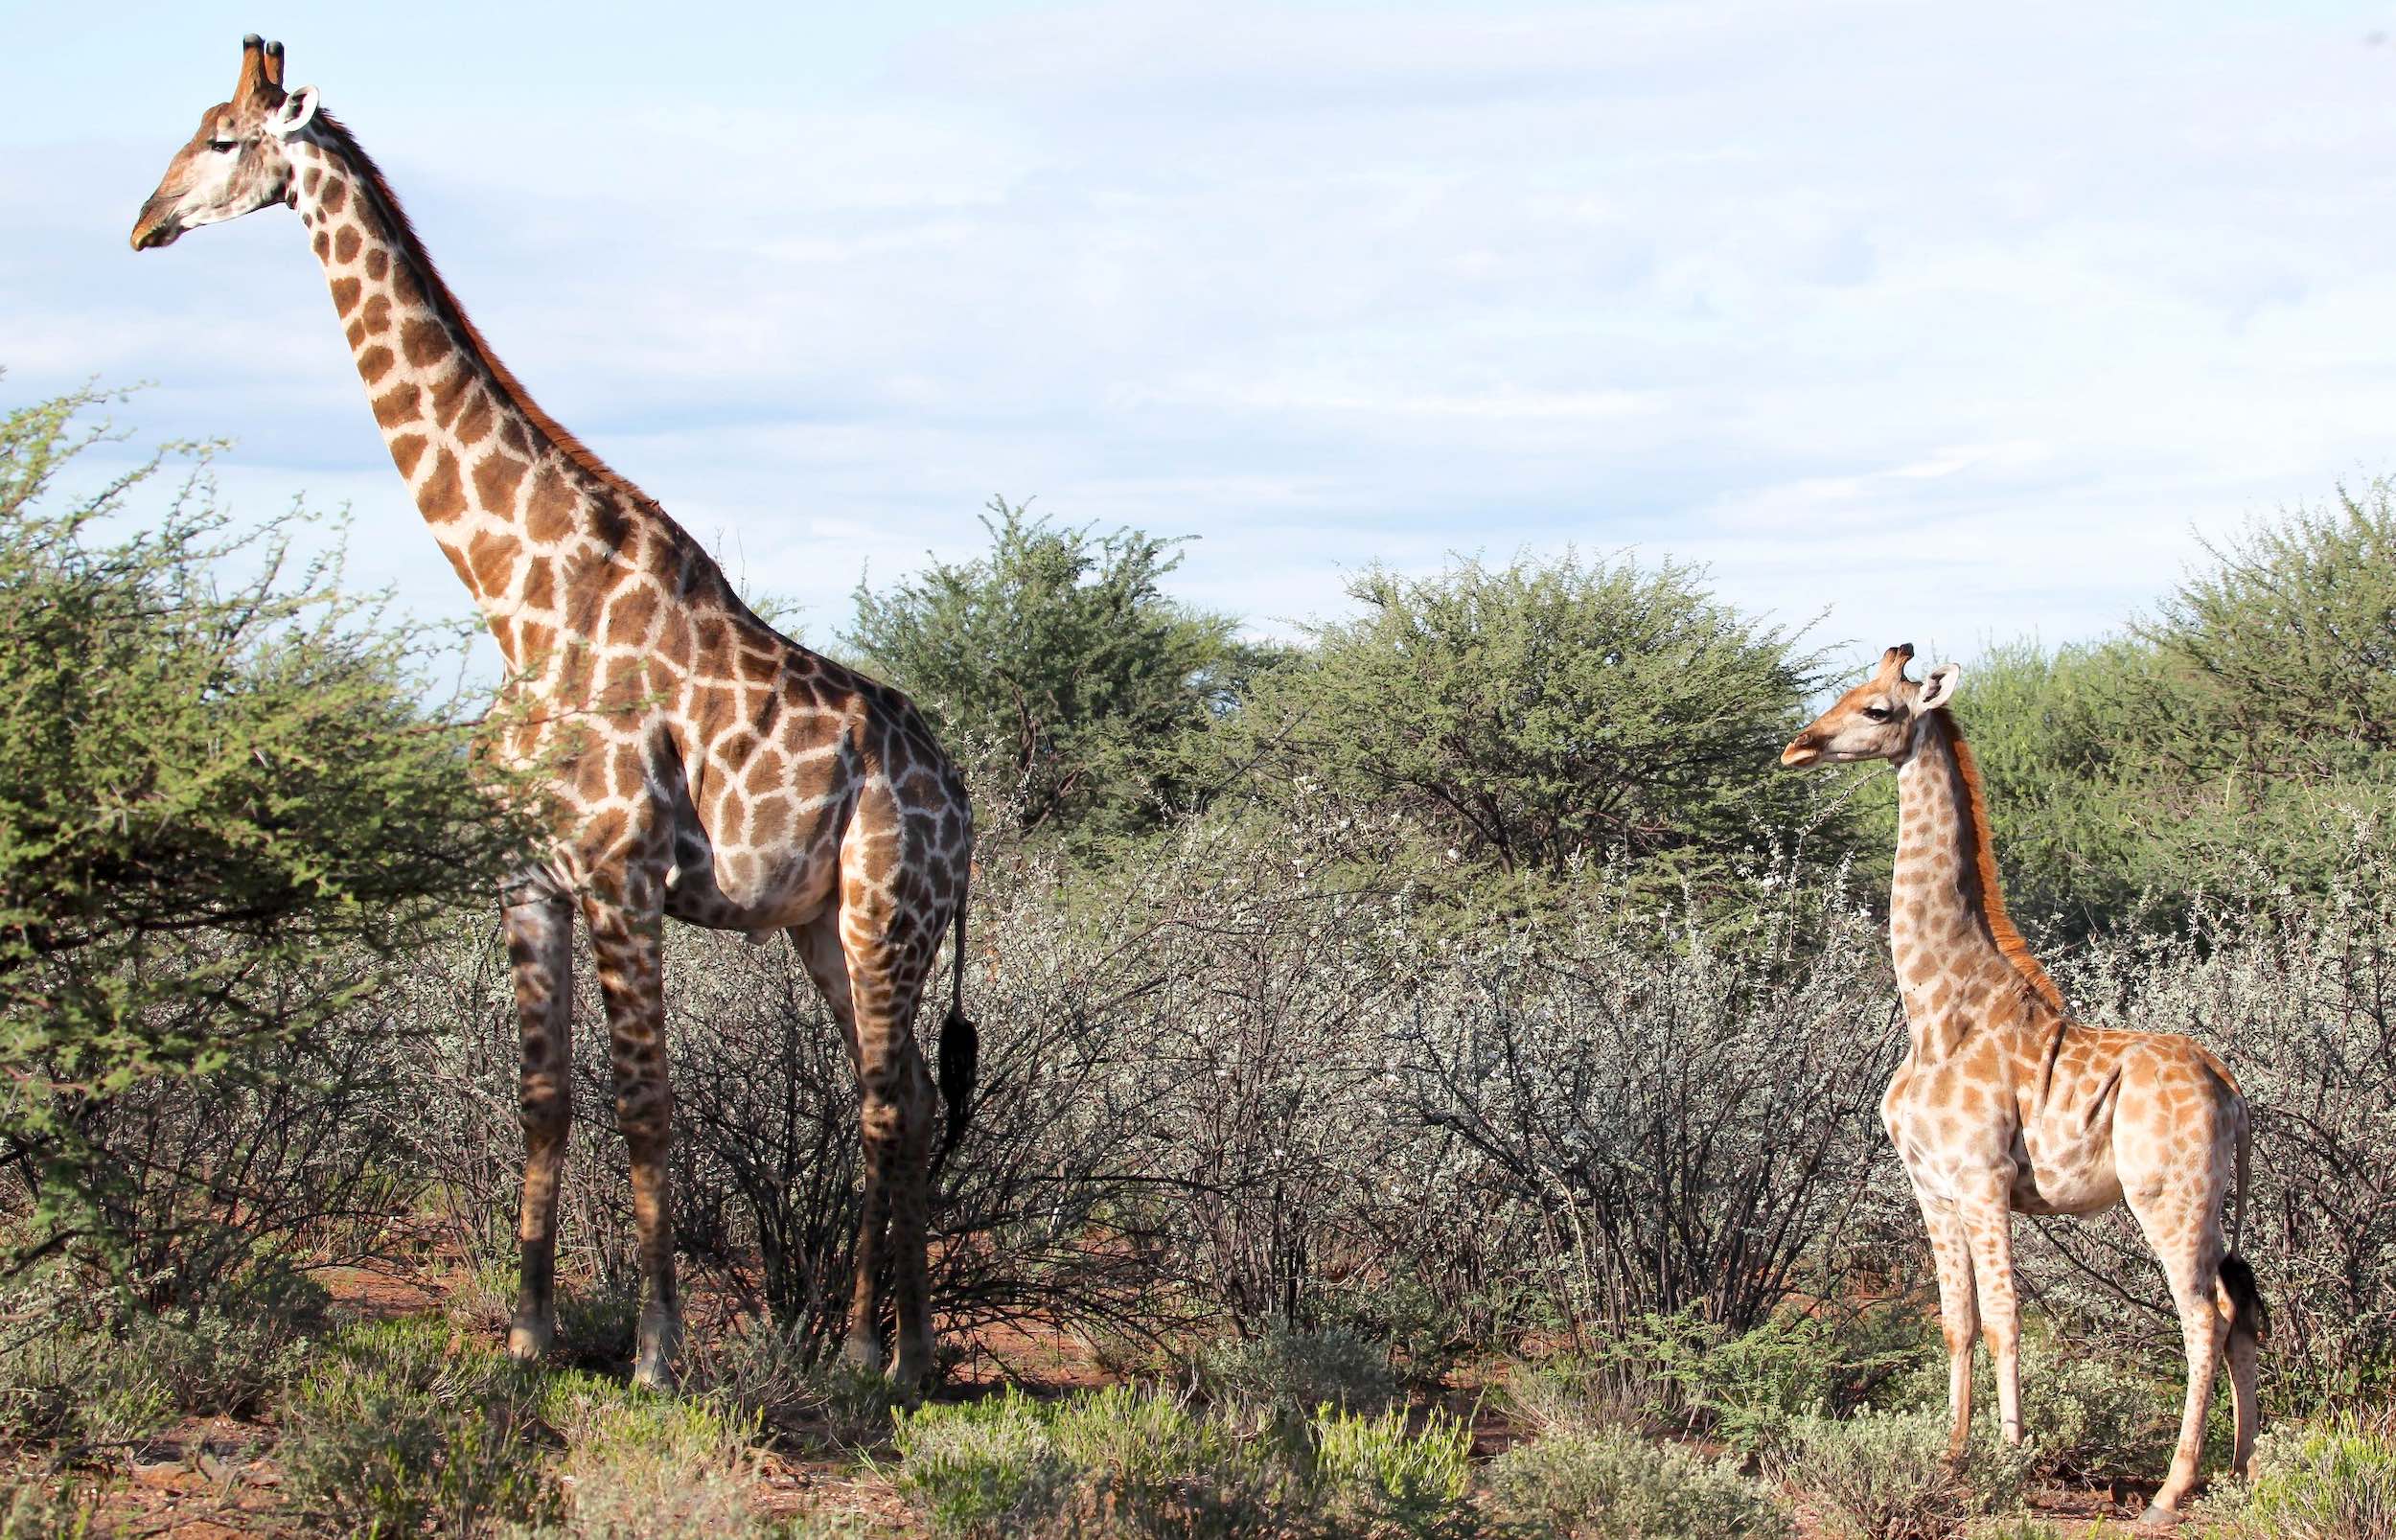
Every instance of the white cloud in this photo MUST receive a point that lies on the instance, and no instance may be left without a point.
(1932, 316)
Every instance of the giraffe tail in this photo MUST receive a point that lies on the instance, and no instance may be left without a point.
(960, 1046)
(2239, 1296)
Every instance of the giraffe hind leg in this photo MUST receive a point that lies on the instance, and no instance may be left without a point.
(874, 983)
(826, 962)
(2188, 1244)
(2245, 1401)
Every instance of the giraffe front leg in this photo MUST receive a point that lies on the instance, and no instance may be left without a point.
(1986, 1213)
(540, 950)
(629, 948)
(1959, 1320)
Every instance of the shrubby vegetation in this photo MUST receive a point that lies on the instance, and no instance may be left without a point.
(2225, 748)
(225, 823)
(1885, 1475)
(1457, 999)
(1124, 1461)
(1058, 664)
(2331, 1479)
(1531, 721)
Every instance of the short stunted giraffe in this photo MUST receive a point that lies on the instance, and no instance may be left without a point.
(704, 766)
(2004, 1104)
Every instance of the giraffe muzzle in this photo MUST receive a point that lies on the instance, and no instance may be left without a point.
(155, 227)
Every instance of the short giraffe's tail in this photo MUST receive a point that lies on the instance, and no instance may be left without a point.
(961, 1044)
(2239, 1296)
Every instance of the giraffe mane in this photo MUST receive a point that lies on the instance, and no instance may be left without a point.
(444, 299)
(2000, 925)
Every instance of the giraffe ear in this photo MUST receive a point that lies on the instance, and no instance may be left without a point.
(297, 112)
(1938, 688)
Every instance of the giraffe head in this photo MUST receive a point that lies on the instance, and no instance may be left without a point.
(237, 162)
(1876, 719)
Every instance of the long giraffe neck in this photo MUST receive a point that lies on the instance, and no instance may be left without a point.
(1959, 960)
(539, 530)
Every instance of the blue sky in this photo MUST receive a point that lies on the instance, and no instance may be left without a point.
(1940, 323)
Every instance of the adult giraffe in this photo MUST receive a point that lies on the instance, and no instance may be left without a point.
(2004, 1104)
(704, 765)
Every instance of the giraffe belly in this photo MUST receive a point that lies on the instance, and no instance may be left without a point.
(741, 890)
(2064, 1176)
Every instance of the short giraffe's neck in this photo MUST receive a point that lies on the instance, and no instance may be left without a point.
(1960, 963)
(525, 515)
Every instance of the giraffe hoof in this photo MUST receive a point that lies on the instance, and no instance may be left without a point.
(2157, 1516)
(916, 1377)
(861, 1355)
(528, 1340)
(660, 1340)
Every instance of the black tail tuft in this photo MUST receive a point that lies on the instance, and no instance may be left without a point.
(2248, 1316)
(960, 1040)
(960, 1061)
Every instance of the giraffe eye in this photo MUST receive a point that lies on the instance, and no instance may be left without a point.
(1879, 713)
(222, 146)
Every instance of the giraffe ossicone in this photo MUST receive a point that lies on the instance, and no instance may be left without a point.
(703, 767)
(2006, 1105)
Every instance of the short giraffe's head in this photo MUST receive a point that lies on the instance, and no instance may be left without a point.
(236, 161)
(1876, 719)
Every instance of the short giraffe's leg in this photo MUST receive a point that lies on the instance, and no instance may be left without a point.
(628, 946)
(1959, 1320)
(539, 937)
(1987, 1215)
(2245, 1403)
(2183, 1227)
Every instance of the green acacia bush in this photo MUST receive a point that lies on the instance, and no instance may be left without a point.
(225, 822)
(1885, 1475)
(1535, 719)
(639, 1466)
(405, 1429)
(1684, 1375)
(1608, 1483)
(1060, 663)
(2331, 1479)
(2222, 747)
(1125, 1462)
(1282, 1375)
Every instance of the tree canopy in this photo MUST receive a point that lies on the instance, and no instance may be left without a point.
(222, 805)
(2229, 742)
(1057, 664)
(1542, 715)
